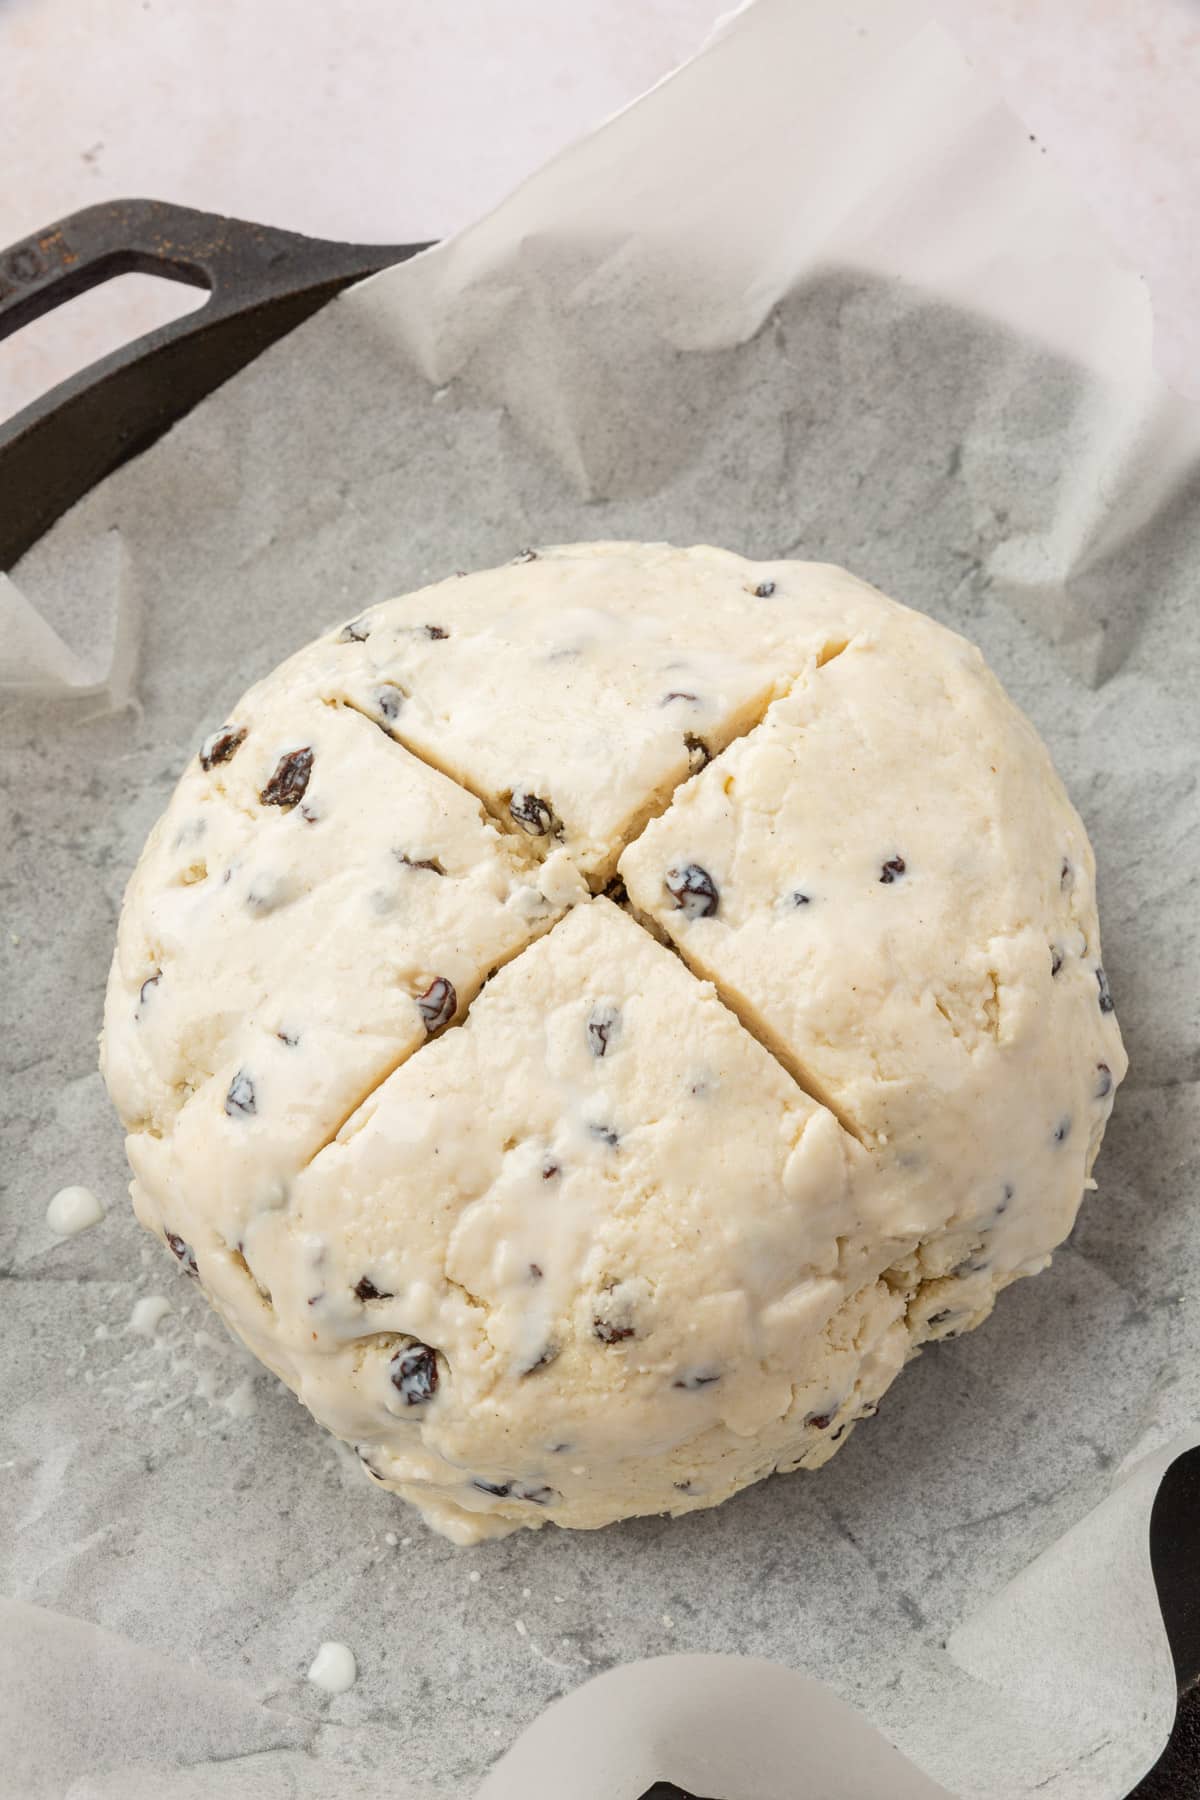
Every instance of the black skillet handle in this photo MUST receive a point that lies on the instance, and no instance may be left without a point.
(1175, 1559)
(261, 282)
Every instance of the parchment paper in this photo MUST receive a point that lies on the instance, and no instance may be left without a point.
(816, 295)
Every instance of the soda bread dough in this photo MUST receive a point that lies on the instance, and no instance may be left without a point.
(278, 957)
(688, 1171)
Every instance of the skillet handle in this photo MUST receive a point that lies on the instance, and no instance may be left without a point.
(1175, 1560)
(262, 283)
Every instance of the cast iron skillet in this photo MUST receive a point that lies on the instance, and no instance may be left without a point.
(263, 282)
(1175, 1559)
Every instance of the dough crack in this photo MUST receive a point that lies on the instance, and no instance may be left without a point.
(830, 650)
(534, 850)
(471, 1300)
(661, 803)
(519, 839)
(779, 1052)
(406, 1056)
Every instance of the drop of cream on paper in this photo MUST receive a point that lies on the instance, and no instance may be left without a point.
(148, 1314)
(239, 1402)
(73, 1209)
(333, 1668)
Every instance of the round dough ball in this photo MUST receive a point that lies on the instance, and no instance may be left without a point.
(587, 1024)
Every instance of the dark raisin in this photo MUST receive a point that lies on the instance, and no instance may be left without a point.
(414, 1373)
(603, 1026)
(388, 700)
(532, 814)
(698, 753)
(365, 1289)
(693, 890)
(675, 694)
(541, 1361)
(287, 785)
(698, 1378)
(1065, 875)
(499, 1488)
(356, 632)
(540, 1496)
(971, 1265)
(150, 981)
(764, 590)
(893, 867)
(240, 1101)
(426, 862)
(1103, 1080)
(221, 745)
(1056, 959)
(277, 895)
(437, 632)
(820, 1421)
(796, 898)
(438, 1004)
(525, 556)
(1106, 999)
(535, 1271)
(608, 1333)
(1062, 1131)
(290, 1038)
(185, 1253)
(606, 1134)
(550, 1168)
(191, 833)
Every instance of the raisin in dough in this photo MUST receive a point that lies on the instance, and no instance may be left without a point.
(567, 1208)
(609, 1329)
(282, 948)
(900, 901)
(575, 690)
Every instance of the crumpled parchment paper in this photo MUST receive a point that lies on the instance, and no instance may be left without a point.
(816, 295)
